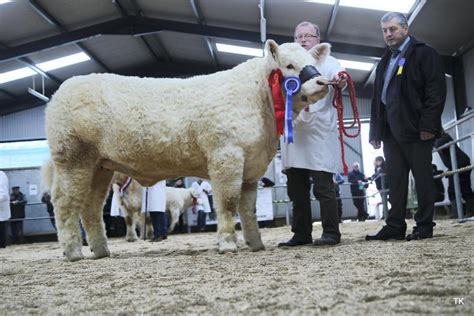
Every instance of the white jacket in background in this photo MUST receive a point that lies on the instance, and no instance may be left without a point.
(155, 199)
(5, 213)
(198, 188)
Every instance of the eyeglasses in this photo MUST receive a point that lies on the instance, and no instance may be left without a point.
(305, 36)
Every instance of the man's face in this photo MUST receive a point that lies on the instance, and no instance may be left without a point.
(355, 167)
(306, 36)
(393, 33)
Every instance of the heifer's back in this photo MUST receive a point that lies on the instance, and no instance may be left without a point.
(153, 129)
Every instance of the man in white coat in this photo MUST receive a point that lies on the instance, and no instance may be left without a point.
(154, 202)
(5, 213)
(203, 207)
(313, 155)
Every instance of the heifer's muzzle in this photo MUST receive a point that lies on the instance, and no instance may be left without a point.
(309, 72)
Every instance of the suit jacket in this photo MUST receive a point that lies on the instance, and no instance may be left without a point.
(415, 96)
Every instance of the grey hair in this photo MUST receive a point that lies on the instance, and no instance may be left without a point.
(306, 23)
(356, 164)
(402, 19)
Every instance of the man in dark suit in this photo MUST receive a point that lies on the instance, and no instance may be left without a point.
(408, 99)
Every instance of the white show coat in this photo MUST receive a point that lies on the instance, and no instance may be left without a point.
(5, 213)
(206, 186)
(115, 209)
(202, 196)
(156, 198)
(316, 145)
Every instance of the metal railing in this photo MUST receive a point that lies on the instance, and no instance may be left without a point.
(455, 171)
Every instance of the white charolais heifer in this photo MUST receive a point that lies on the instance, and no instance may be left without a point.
(177, 201)
(219, 126)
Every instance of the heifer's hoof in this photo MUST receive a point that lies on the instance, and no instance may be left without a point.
(256, 246)
(227, 243)
(131, 239)
(74, 255)
(101, 252)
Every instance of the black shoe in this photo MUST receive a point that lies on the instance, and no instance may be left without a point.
(159, 238)
(387, 233)
(326, 241)
(294, 242)
(418, 234)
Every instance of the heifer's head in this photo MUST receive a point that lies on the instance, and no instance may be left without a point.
(294, 60)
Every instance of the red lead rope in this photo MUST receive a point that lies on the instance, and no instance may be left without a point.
(339, 105)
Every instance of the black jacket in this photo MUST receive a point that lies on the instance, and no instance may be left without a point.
(353, 178)
(415, 97)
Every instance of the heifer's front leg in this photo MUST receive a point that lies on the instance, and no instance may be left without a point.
(174, 212)
(92, 216)
(131, 222)
(226, 171)
(248, 217)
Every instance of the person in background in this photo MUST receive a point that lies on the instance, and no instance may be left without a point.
(46, 199)
(203, 207)
(379, 173)
(5, 213)
(407, 103)
(462, 160)
(358, 186)
(154, 202)
(207, 188)
(17, 206)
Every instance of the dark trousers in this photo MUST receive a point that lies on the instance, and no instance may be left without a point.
(360, 203)
(160, 224)
(17, 230)
(212, 215)
(201, 220)
(401, 157)
(3, 234)
(339, 202)
(299, 187)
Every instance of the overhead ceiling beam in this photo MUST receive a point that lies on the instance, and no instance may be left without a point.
(200, 19)
(139, 13)
(53, 21)
(141, 26)
(332, 20)
(156, 69)
(30, 64)
(8, 94)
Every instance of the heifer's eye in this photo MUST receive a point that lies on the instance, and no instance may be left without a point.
(290, 66)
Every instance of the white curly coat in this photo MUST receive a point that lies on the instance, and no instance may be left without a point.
(219, 126)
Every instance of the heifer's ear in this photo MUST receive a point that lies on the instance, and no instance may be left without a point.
(321, 51)
(272, 48)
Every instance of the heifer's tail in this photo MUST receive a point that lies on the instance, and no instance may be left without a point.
(47, 174)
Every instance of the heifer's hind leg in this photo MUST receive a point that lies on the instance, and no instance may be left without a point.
(70, 191)
(248, 217)
(226, 169)
(92, 215)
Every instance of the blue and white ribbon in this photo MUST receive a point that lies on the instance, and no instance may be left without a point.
(292, 85)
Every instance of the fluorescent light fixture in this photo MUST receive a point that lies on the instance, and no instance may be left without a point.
(46, 66)
(63, 62)
(356, 65)
(16, 74)
(4, 1)
(233, 49)
(322, 1)
(402, 6)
